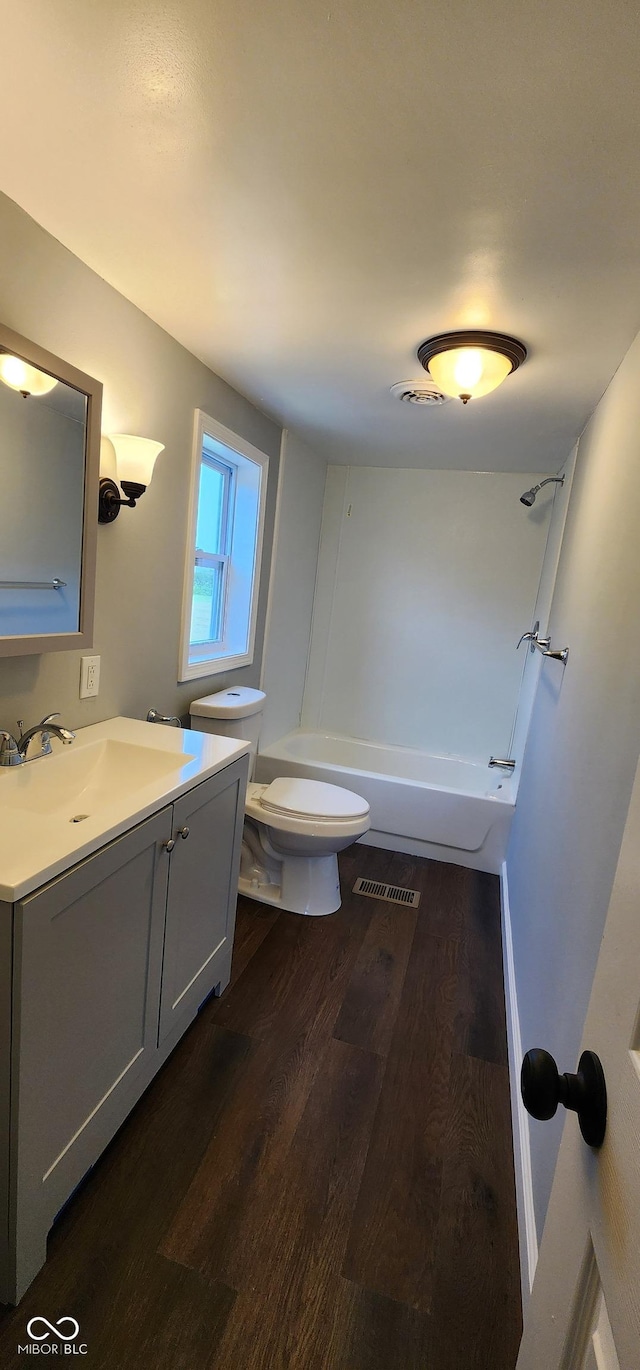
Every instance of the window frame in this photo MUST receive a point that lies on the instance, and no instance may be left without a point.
(240, 457)
(222, 558)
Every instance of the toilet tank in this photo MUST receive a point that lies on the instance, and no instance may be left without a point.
(236, 712)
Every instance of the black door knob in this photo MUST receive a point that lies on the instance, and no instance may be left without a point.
(543, 1088)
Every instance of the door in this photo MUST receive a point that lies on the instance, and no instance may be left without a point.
(203, 887)
(584, 1312)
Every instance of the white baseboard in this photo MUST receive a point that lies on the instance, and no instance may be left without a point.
(520, 1119)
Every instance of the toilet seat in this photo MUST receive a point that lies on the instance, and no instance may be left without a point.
(297, 798)
(354, 818)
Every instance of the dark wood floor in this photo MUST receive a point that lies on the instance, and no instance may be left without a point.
(321, 1177)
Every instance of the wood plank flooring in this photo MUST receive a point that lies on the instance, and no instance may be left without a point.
(321, 1177)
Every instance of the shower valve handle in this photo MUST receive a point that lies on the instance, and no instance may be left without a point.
(532, 637)
(543, 644)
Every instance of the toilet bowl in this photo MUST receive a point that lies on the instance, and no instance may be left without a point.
(293, 828)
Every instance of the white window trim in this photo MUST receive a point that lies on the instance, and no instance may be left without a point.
(204, 425)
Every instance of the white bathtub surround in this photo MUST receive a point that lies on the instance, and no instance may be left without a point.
(533, 662)
(426, 580)
(291, 588)
(434, 806)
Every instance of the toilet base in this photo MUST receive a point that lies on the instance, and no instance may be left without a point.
(308, 884)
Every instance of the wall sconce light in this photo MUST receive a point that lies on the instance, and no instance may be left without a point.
(27, 379)
(470, 364)
(135, 460)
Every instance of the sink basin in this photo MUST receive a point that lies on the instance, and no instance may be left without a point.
(58, 809)
(75, 784)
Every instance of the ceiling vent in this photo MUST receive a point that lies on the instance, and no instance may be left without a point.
(418, 392)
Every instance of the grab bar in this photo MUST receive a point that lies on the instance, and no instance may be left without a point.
(543, 644)
(54, 584)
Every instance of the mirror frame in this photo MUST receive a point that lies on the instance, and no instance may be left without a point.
(24, 645)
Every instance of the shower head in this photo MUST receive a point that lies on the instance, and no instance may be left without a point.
(529, 496)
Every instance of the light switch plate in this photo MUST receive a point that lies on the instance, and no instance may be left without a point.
(89, 676)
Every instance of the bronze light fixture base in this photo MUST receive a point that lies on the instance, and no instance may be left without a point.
(110, 502)
(446, 345)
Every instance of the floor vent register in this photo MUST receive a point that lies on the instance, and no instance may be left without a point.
(394, 894)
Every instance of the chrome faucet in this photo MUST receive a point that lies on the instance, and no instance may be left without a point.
(15, 753)
(172, 719)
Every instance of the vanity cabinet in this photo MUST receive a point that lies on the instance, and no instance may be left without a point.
(111, 962)
(200, 921)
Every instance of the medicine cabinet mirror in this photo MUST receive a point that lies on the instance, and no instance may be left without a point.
(49, 465)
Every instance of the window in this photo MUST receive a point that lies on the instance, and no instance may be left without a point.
(228, 486)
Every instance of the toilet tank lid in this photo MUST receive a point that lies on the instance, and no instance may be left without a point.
(312, 799)
(239, 701)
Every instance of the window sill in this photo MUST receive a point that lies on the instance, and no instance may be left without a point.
(214, 666)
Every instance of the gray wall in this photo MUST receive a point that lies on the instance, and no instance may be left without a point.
(293, 578)
(151, 386)
(581, 752)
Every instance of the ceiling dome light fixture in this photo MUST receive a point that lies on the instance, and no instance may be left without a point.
(472, 363)
(27, 379)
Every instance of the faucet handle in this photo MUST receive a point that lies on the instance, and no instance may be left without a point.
(9, 751)
(48, 719)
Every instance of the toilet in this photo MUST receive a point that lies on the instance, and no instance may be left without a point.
(294, 828)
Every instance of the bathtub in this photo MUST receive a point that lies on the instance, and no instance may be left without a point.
(435, 806)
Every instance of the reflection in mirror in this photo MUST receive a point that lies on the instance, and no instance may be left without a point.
(49, 459)
(42, 446)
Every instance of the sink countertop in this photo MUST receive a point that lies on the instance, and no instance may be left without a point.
(124, 768)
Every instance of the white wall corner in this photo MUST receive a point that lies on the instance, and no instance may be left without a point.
(274, 556)
(527, 1232)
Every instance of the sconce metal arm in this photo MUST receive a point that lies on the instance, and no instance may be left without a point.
(110, 500)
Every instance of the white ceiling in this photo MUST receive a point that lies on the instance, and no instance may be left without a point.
(300, 192)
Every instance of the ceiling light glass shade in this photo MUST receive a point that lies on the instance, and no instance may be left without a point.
(469, 371)
(469, 365)
(135, 457)
(27, 379)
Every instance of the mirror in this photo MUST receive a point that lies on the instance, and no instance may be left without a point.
(49, 461)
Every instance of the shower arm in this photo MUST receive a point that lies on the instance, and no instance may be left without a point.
(549, 480)
(543, 644)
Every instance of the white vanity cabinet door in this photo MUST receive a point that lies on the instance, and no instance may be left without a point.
(86, 986)
(203, 886)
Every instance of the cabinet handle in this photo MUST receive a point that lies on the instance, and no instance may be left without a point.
(184, 833)
(168, 846)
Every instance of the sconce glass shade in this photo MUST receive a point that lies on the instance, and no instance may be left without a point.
(135, 457)
(469, 365)
(27, 379)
